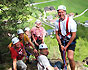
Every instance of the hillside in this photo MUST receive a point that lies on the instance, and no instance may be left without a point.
(75, 6)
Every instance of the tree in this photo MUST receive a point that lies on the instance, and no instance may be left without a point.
(13, 11)
(12, 14)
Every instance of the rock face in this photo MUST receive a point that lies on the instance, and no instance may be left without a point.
(85, 61)
(78, 65)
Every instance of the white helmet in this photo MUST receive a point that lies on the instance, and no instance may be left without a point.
(27, 29)
(61, 7)
(37, 21)
(42, 46)
(19, 31)
(15, 40)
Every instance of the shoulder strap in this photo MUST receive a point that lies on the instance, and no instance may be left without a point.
(16, 49)
(68, 33)
(23, 42)
(42, 66)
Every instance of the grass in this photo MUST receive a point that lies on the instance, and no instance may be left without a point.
(40, 0)
(53, 47)
(81, 49)
(86, 65)
(82, 32)
(82, 18)
(46, 27)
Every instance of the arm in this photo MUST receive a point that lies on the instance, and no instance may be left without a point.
(71, 39)
(43, 40)
(25, 54)
(32, 34)
(31, 45)
(34, 40)
(14, 64)
(58, 38)
(59, 41)
(9, 46)
(26, 38)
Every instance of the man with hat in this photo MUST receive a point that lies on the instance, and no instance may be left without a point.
(27, 32)
(66, 29)
(25, 40)
(38, 33)
(17, 54)
(43, 62)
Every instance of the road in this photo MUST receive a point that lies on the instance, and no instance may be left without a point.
(41, 2)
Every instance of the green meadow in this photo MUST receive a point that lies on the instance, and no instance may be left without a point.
(73, 6)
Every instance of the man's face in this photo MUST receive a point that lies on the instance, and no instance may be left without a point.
(45, 51)
(61, 14)
(18, 44)
(21, 36)
(38, 25)
(27, 32)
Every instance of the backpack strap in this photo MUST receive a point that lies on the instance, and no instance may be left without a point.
(18, 51)
(42, 66)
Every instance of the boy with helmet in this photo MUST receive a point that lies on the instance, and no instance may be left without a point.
(17, 54)
(43, 62)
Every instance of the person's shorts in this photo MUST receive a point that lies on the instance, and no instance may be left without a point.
(21, 65)
(70, 47)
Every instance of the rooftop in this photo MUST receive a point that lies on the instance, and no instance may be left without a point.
(49, 8)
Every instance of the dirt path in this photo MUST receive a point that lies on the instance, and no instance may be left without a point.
(41, 2)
